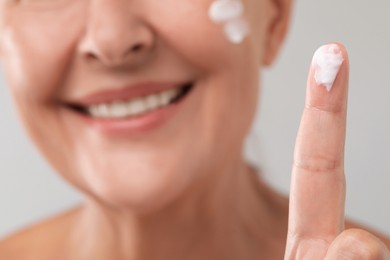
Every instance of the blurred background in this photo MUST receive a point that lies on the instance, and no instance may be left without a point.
(30, 191)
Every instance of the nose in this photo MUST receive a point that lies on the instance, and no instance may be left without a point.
(115, 36)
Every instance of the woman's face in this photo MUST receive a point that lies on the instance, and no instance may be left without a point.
(66, 59)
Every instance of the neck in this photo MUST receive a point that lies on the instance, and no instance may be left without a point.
(222, 218)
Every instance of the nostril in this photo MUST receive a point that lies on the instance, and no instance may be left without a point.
(137, 47)
(90, 56)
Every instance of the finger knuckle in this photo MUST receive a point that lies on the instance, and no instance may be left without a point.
(318, 163)
(359, 244)
(301, 247)
(323, 109)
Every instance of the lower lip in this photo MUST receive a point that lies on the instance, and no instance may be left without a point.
(135, 125)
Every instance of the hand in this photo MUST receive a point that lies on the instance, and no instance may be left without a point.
(316, 216)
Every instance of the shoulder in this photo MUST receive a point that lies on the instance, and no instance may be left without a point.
(39, 241)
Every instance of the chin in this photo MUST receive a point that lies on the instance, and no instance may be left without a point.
(140, 187)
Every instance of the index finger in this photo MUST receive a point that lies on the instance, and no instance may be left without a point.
(317, 195)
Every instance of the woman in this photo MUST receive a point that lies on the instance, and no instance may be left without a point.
(144, 106)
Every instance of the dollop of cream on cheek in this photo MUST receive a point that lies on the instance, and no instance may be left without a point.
(327, 61)
(230, 13)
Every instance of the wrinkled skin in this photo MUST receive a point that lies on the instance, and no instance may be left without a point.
(181, 191)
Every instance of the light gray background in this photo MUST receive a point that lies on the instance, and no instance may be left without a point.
(30, 191)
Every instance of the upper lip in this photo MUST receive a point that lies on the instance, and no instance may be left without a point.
(125, 93)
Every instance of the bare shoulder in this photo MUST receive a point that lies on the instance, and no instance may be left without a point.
(39, 241)
(384, 238)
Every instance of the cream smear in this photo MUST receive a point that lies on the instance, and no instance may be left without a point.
(327, 61)
(230, 14)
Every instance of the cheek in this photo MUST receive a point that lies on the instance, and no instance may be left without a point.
(230, 90)
(37, 48)
(233, 102)
(230, 14)
(193, 35)
(36, 56)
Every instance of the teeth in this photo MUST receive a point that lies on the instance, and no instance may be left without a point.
(117, 109)
(167, 96)
(152, 101)
(102, 110)
(133, 107)
(93, 110)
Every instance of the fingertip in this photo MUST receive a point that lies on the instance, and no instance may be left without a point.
(327, 62)
(329, 76)
(344, 68)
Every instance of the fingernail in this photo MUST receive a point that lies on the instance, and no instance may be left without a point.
(327, 61)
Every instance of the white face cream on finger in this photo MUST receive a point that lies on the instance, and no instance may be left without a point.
(327, 61)
(230, 14)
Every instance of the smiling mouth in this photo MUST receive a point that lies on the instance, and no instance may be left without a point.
(124, 109)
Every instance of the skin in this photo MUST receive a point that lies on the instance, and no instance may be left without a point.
(188, 197)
